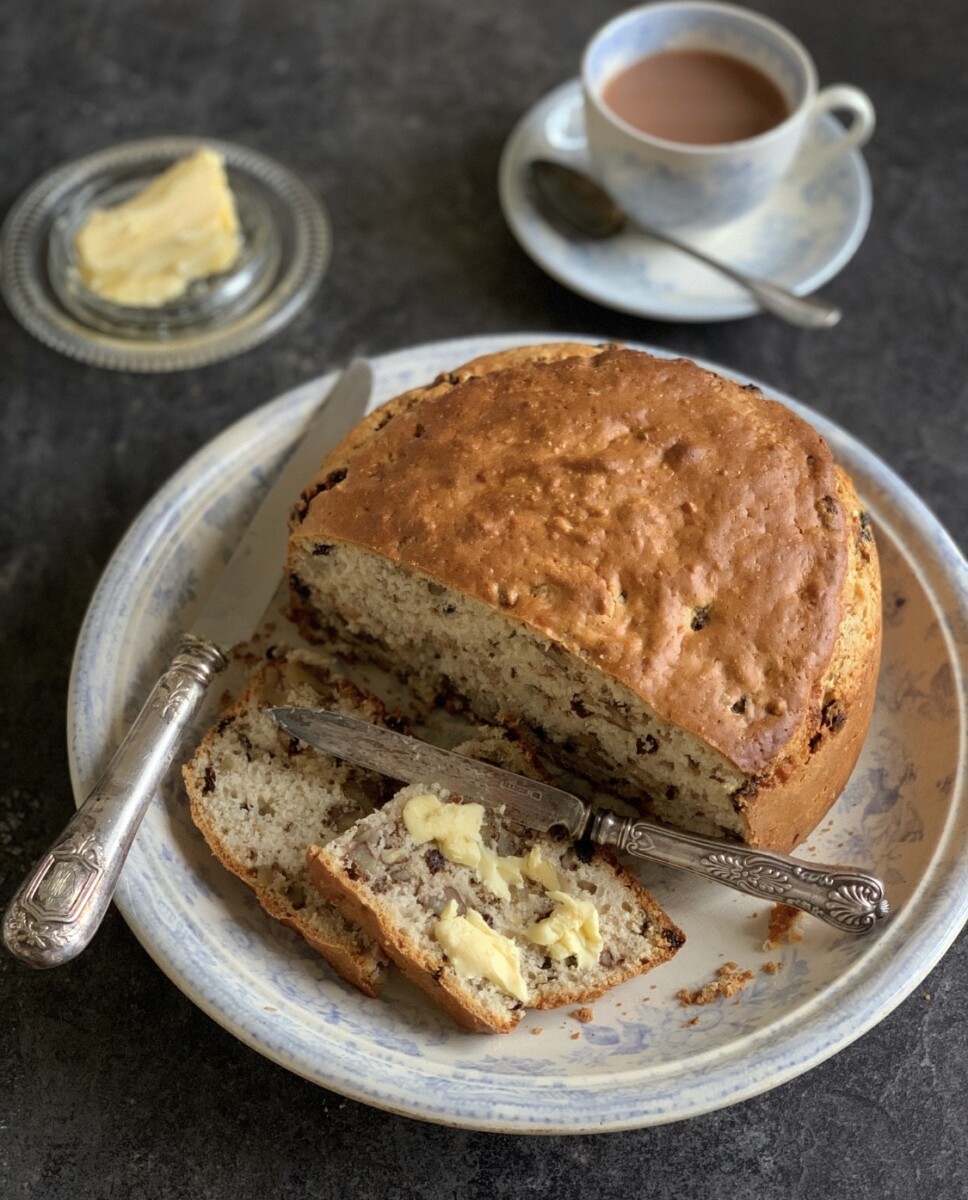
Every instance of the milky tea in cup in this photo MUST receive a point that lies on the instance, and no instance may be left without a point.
(696, 96)
(695, 110)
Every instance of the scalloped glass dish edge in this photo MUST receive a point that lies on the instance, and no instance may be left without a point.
(32, 299)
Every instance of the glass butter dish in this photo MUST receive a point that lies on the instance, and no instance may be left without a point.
(285, 248)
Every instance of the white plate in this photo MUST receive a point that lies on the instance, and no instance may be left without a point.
(639, 1062)
(808, 229)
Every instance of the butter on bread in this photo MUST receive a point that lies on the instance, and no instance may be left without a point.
(261, 799)
(662, 574)
(488, 918)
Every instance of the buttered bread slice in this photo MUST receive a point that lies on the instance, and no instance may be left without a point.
(262, 799)
(487, 918)
(659, 572)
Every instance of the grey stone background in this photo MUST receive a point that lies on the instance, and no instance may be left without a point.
(112, 1085)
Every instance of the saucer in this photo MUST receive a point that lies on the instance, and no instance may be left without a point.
(807, 230)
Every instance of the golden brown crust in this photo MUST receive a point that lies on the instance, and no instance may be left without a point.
(442, 386)
(690, 539)
(792, 799)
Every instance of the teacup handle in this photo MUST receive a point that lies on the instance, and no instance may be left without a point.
(564, 131)
(844, 97)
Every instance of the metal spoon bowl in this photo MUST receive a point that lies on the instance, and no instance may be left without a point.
(580, 206)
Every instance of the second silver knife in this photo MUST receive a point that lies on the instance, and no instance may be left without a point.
(57, 909)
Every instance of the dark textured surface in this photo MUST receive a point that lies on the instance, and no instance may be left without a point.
(111, 1083)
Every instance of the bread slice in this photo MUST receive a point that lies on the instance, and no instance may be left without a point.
(401, 891)
(659, 572)
(260, 798)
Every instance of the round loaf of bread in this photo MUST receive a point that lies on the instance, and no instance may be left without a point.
(662, 574)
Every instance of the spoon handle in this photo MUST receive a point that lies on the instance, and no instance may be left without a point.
(808, 312)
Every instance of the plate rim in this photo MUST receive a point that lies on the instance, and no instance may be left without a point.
(493, 1114)
(696, 313)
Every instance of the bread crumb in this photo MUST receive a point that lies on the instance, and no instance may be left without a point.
(729, 980)
(583, 1014)
(692, 1021)
(269, 1008)
(771, 968)
(784, 926)
(575, 1036)
(536, 1029)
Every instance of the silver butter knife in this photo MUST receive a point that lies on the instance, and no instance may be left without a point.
(59, 906)
(852, 901)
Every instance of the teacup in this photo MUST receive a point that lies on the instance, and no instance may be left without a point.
(679, 185)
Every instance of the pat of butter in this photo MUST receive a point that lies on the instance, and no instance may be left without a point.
(541, 871)
(499, 874)
(182, 227)
(456, 828)
(571, 929)
(476, 952)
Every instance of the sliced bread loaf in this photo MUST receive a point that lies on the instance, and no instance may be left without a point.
(658, 570)
(485, 917)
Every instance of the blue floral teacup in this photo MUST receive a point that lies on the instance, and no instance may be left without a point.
(678, 185)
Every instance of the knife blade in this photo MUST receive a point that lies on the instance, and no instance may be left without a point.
(57, 909)
(249, 580)
(852, 901)
(529, 802)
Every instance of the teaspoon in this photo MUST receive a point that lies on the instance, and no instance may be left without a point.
(587, 209)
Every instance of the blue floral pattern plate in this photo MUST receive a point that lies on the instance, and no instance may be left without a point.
(644, 1059)
(807, 230)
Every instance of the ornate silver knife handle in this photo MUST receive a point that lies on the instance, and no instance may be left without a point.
(852, 901)
(59, 906)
